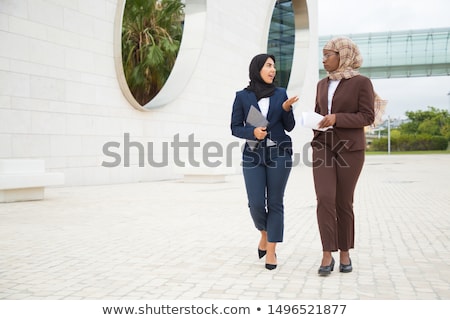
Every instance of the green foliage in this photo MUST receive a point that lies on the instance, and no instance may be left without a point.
(445, 130)
(407, 142)
(395, 133)
(432, 121)
(425, 130)
(151, 37)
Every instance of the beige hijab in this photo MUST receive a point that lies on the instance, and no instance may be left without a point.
(350, 59)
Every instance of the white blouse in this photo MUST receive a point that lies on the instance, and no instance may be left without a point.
(332, 85)
(263, 104)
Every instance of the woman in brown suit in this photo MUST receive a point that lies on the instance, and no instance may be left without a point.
(346, 100)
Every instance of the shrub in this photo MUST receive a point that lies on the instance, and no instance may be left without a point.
(408, 142)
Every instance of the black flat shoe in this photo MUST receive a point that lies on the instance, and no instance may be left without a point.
(346, 268)
(326, 270)
(261, 253)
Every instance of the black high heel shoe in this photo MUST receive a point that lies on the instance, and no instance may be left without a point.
(271, 266)
(261, 253)
(346, 268)
(326, 270)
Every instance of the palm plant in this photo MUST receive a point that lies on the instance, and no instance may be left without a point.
(151, 37)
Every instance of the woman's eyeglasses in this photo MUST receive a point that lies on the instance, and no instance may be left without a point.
(327, 55)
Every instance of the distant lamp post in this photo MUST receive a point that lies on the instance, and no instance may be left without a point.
(448, 94)
(389, 134)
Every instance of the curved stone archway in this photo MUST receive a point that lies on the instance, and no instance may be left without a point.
(301, 57)
(191, 45)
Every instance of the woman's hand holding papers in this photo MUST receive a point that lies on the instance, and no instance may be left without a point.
(328, 121)
(260, 133)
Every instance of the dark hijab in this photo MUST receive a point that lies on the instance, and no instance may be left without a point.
(257, 84)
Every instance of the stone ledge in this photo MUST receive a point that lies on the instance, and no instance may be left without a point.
(25, 179)
(204, 174)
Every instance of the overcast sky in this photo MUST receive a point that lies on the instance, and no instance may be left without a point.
(357, 16)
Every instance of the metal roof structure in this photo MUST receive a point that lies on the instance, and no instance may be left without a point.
(401, 54)
(390, 54)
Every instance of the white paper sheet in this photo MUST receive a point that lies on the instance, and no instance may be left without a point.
(312, 119)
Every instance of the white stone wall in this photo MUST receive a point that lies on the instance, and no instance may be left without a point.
(60, 99)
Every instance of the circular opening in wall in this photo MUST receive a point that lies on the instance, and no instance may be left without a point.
(156, 47)
(289, 41)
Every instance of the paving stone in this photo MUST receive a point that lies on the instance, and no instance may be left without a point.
(172, 240)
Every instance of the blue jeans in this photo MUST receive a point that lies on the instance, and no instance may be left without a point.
(265, 184)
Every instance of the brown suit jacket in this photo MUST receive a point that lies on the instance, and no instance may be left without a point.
(353, 104)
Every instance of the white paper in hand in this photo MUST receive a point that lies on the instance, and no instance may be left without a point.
(312, 119)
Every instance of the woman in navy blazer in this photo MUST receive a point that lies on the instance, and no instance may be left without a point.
(267, 155)
(346, 100)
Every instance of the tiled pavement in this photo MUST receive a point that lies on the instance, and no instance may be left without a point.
(176, 240)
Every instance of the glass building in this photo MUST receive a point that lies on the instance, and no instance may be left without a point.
(282, 40)
(413, 53)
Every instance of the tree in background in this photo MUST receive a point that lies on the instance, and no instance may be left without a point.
(151, 37)
(433, 122)
(424, 130)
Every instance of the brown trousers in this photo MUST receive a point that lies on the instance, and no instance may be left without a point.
(336, 171)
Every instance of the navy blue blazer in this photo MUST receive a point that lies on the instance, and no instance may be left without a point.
(280, 121)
